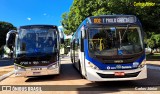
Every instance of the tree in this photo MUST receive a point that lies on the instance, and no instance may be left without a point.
(81, 9)
(4, 28)
(157, 40)
(151, 44)
(154, 42)
(148, 15)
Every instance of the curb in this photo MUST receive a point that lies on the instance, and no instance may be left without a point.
(6, 75)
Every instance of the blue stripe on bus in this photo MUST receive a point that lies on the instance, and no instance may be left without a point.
(103, 66)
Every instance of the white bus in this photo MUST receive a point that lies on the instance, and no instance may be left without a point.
(36, 50)
(109, 48)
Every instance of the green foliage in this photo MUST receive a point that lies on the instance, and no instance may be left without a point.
(151, 43)
(157, 38)
(81, 9)
(154, 41)
(67, 32)
(155, 56)
(67, 43)
(65, 46)
(4, 28)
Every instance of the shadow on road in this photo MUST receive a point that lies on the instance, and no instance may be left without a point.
(102, 87)
(116, 86)
(71, 73)
(68, 72)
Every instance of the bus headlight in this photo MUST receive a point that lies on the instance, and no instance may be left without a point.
(53, 66)
(19, 68)
(142, 64)
(135, 64)
(93, 66)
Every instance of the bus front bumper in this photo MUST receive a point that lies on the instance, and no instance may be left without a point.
(109, 75)
(29, 72)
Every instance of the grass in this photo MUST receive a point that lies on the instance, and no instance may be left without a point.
(155, 56)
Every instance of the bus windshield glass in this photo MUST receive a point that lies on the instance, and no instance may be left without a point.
(36, 41)
(112, 41)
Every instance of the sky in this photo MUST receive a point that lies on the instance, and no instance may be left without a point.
(27, 12)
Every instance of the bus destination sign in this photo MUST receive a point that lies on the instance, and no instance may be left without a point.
(103, 20)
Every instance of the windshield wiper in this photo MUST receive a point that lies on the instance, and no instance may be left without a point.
(125, 31)
(21, 56)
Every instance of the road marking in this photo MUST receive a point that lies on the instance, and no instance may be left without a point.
(153, 67)
(6, 75)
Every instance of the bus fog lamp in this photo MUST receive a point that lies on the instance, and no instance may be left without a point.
(142, 64)
(19, 68)
(53, 66)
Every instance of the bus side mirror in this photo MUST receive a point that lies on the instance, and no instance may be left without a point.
(61, 35)
(10, 39)
(62, 40)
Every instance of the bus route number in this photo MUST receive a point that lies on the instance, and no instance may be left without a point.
(97, 20)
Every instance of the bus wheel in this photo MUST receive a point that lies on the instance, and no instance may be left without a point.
(59, 66)
(71, 60)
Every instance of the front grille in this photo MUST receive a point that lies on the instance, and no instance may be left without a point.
(128, 75)
(124, 59)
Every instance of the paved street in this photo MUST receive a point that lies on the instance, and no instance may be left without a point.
(71, 79)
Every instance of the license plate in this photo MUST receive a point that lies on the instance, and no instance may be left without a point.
(36, 68)
(36, 73)
(119, 73)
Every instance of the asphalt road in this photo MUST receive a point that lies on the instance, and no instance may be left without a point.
(70, 82)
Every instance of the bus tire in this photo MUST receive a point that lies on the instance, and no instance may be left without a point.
(59, 65)
(71, 60)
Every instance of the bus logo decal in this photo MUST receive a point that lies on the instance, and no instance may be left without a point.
(108, 68)
(119, 67)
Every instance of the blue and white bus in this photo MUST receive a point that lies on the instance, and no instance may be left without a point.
(36, 50)
(109, 48)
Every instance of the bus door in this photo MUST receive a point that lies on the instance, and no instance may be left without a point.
(81, 36)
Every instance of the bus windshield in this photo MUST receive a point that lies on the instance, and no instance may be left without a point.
(112, 41)
(36, 41)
